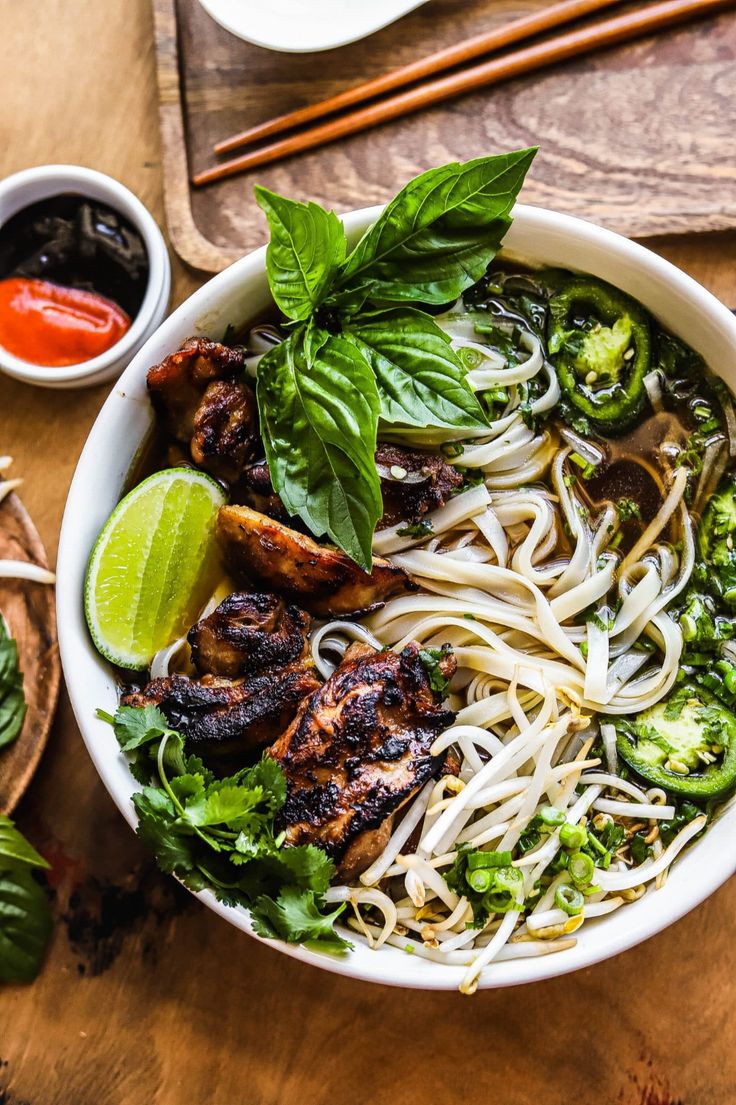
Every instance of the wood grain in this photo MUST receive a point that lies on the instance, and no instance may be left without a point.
(30, 612)
(616, 134)
(554, 50)
(508, 34)
(147, 996)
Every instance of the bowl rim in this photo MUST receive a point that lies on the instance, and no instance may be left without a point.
(390, 969)
(45, 181)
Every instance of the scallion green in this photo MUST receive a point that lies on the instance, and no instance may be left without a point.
(581, 868)
(573, 836)
(569, 900)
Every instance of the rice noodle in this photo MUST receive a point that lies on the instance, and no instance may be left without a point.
(558, 617)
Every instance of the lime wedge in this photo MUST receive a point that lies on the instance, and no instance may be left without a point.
(153, 566)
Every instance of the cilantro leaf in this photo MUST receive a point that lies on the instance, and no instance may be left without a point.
(219, 834)
(137, 725)
(296, 916)
(432, 658)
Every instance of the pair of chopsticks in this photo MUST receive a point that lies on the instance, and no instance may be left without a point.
(597, 35)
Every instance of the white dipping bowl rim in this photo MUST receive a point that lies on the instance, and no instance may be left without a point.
(241, 293)
(29, 186)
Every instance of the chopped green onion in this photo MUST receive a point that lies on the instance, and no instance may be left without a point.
(573, 836)
(509, 879)
(478, 860)
(550, 815)
(479, 880)
(452, 449)
(569, 900)
(581, 868)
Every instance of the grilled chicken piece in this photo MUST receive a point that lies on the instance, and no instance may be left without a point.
(220, 718)
(426, 484)
(249, 633)
(256, 490)
(318, 577)
(205, 404)
(358, 749)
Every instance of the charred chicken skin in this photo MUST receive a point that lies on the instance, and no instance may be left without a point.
(320, 578)
(412, 484)
(220, 718)
(427, 483)
(359, 748)
(205, 404)
(247, 634)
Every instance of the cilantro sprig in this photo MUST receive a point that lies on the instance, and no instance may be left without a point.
(219, 833)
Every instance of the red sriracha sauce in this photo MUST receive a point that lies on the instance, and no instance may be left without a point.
(47, 324)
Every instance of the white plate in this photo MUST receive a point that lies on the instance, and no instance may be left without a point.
(241, 293)
(300, 26)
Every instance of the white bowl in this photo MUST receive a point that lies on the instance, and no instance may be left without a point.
(241, 293)
(31, 185)
(300, 26)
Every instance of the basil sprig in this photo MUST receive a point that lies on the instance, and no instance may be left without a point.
(359, 348)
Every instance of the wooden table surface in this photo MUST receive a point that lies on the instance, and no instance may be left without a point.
(148, 997)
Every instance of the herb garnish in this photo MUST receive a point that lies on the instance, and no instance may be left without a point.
(487, 880)
(423, 528)
(12, 700)
(628, 509)
(25, 916)
(358, 348)
(431, 658)
(219, 834)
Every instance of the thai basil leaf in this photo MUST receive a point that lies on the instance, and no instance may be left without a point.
(306, 248)
(12, 700)
(15, 850)
(319, 414)
(25, 926)
(421, 380)
(438, 236)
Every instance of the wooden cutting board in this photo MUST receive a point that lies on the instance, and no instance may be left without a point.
(29, 611)
(640, 138)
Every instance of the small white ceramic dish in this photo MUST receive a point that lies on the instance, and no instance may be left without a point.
(301, 26)
(31, 185)
(241, 293)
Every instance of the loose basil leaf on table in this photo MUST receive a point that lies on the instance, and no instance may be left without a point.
(25, 926)
(12, 701)
(439, 234)
(421, 380)
(15, 850)
(306, 249)
(25, 916)
(320, 416)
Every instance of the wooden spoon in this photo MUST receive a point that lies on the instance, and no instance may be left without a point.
(30, 613)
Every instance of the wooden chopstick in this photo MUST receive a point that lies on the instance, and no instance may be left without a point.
(595, 36)
(556, 15)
